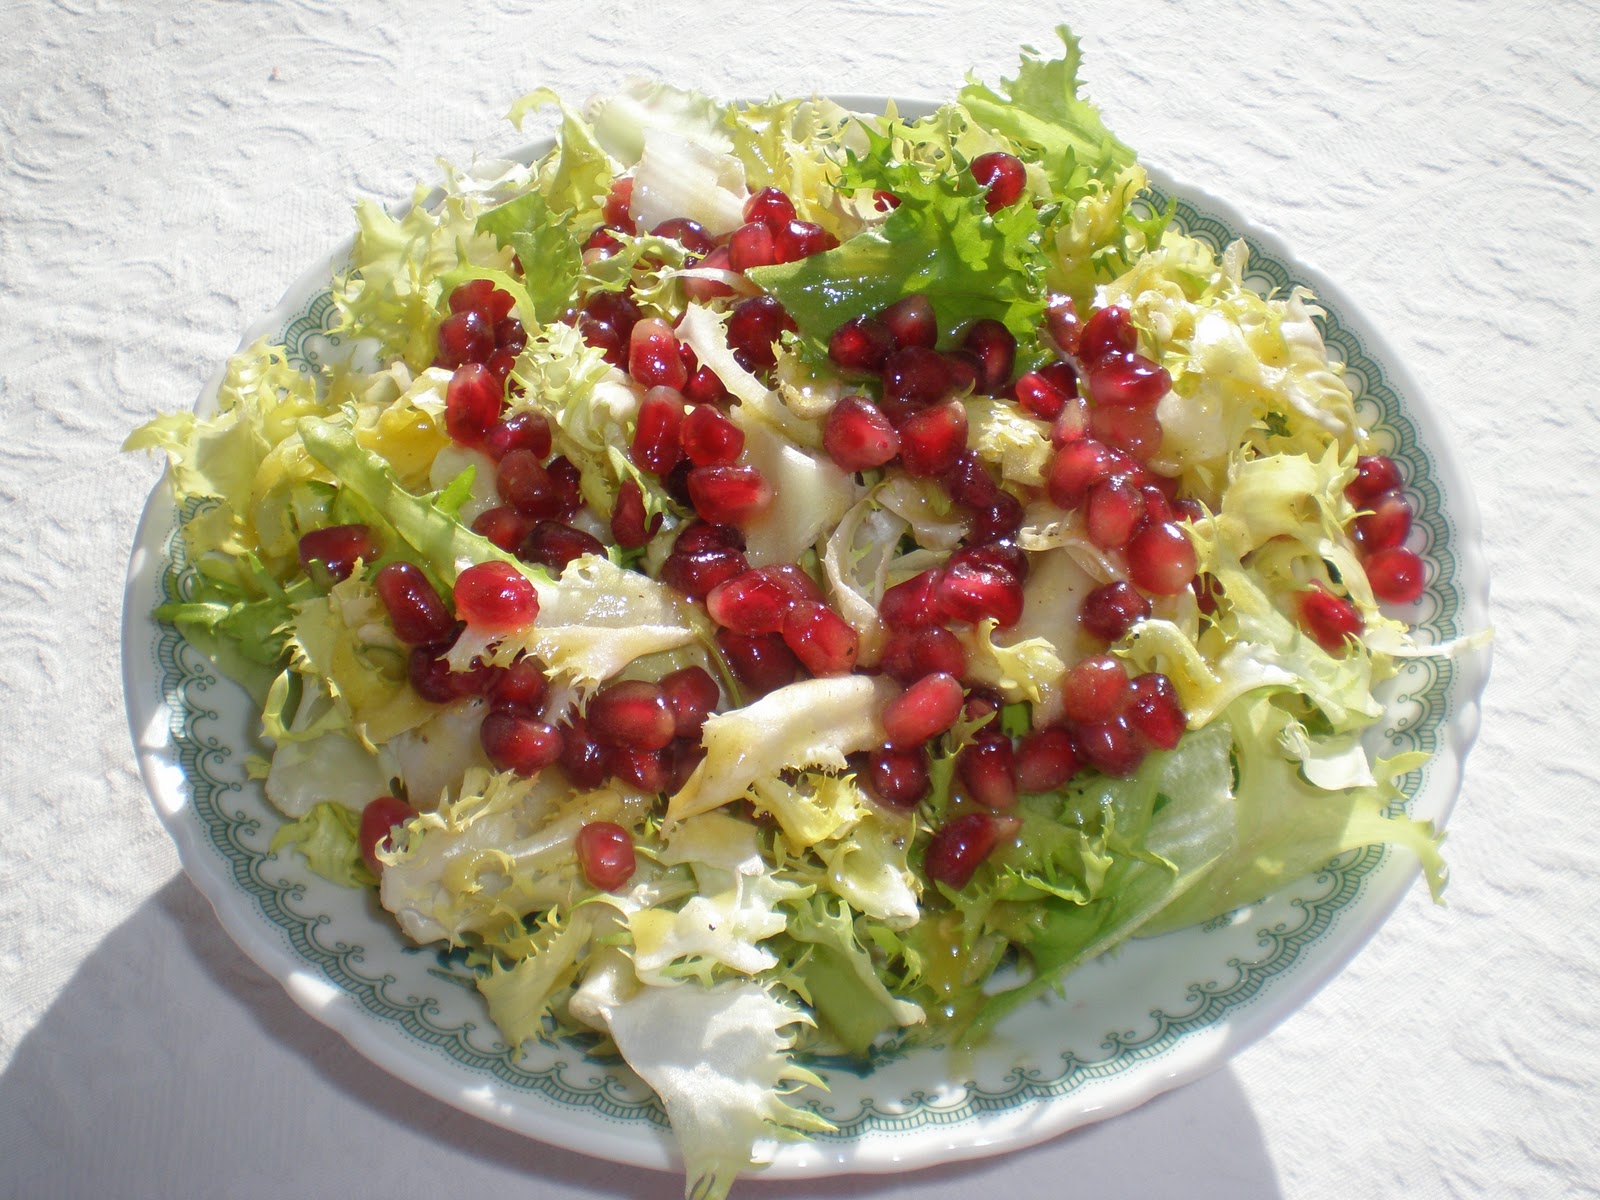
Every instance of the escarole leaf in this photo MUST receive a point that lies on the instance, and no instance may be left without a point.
(328, 837)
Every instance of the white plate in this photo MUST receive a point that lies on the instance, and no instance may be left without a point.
(1160, 1013)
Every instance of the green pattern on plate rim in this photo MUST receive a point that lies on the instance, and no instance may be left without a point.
(1278, 935)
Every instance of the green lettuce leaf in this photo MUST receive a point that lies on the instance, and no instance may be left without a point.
(329, 839)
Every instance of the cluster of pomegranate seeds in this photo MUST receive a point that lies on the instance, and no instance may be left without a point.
(1395, 573)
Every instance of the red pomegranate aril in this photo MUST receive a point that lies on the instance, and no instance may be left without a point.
(914, 603)
(647, 770)
(913, 378)
(999, 521)
(509, 334)
(518, 743)
(924, 710)
(912, 322)
(616, 309)
(752, 245)
(1038, 397)
(1155, 714)
(605, 855)
(1397, 575)
(857, 435)
(568, 482)
(1127, 379)
(602, 243)
(521, 686)
(1386, 526)
(379, 818)
(495, 597)
(994, 347)
(705, 387)
(753, 327)
(959, 848)
(418, 614)
(1112, 512)
(472, 402)
(1001, 554)
(700, 289)
(861, 344)
(801, 239)
(898, 778)
(771, 207)
(554, 544)
(884, 201)
(793, 580)
(1076, 468)
(618, 202)
(931, 440)
(633, 713)
(1046, 759)
(984, 705)
(762, 662)
(691, 235)
(823, 641)
(476, 295)
(430, 674)
(1157, 507)
(526, 430)
(972, 591)
(968, 481)
(1111, 746)
(631, 527)
(1112, 609)
(683, 756)
(1206, 592)
(1135, 430)
(935, 651)
(1095, 689)
(750, 602)
(1003, 174)
(1072, 424)
(1062, 323)
(695, 573)
(1161, 559)
(338, 548)
(658, 431)
(964, 369)
(1107, 331)
(1330, 620)
(504, 526)
(693, 696)
(464, 337)
(988, 768)
(728, 495)
(583, 758)
(654, 359)
(525, 485)
(709, 438)
(703, 535)
(1375, 475)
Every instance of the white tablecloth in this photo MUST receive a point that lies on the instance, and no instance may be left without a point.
(167, 169)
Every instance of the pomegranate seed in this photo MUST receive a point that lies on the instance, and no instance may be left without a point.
(472, 402)
(988, 769)
(793, 580)
(1127, 379)
(1003, 174)
(647, 770)
(995, 349)
(569, 485)
(522, 686)
(1161, 559)
(770, 207)
(752, 245)
(658, 430)
(913, 604)
(464, 337)
(527, 430)
(633, 713)
(630, 528)
(968, 481)
(509, 334)
(898, 778)
(1076, 468)
(683, 756)
(1386, 526)
(959, 848)
(554, 544)
(1038, 397)
(378, 820)
(802, 239)
(1107, 331)
(654, 359)
(495, 597)
(418, 615)
(709, 438)
(885, 201)
(1375, 475)
(857, 436)
(861, 344)
(1330, 620)
(693, 696)
(728, 495)
(1001, 554)
(931, 440)
(482, 297)
(695, 573)
(518, 743)
(1046, 759)
(1112, 512)
(1135, 430)
(1111, 746)
(1112, 609)
(1396, 575)
(523, 483)
(338, 548)
(924, 710)
(691, 235)
(999, 521)
(583, 759)
(914, 378)
(1062, 323)
(504, 526)
(823, 641)
(701, 290)
(970, 591)
(751, 602)
(1155, 714)
(1072, 424)
(762, 662)
(1157, 508)
(754, 326)
(908, 656)
(605, 855)
(618, 201)
(603, 243)
(1095, 689)
(430, 675)
(912, 322)
(705, 387)
(607, 324)
(964, 370)
(499, 364)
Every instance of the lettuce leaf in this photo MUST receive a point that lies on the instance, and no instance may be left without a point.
(328, 837)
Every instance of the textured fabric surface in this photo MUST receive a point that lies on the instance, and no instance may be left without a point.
(166, 170)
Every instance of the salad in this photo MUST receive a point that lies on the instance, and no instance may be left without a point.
(765, 580)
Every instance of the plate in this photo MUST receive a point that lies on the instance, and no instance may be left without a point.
(1159, 1013)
